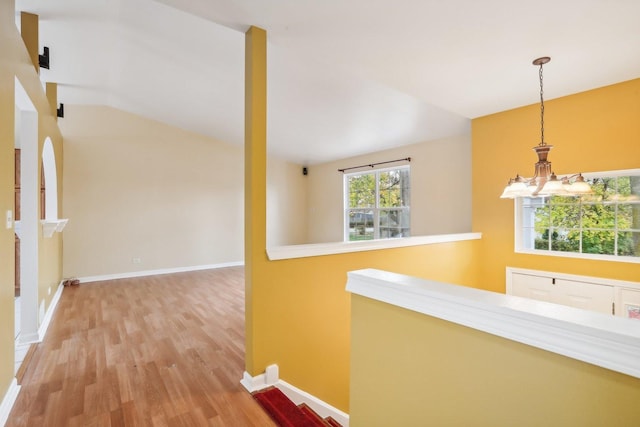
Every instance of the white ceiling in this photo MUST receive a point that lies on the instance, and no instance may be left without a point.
(346, 77)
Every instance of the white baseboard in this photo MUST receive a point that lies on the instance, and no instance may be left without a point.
(143, 273)
(8, 400)
(294, 394)
(46, 320)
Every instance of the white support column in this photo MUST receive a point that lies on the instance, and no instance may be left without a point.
(29, 224)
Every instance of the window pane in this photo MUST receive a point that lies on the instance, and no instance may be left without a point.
(564, 200)
(598, 242)
(360, 225)
(604, 189)
(629, 243)
(565, 216)
(394, 223)
(542, 241)
(628, 216)
(362, 191)
(634, 189)
(628, 188)
(598, 216)
(394, 188)
(565, 240)
(542, 220)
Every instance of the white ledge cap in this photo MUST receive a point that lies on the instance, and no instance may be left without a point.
(603, 340)
(318, 249)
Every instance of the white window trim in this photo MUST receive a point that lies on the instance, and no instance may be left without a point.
(376, 210)
(518, 242)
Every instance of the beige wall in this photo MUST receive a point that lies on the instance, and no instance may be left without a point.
(440, 189)
(136, 188)
(413, 370)
(286, 203)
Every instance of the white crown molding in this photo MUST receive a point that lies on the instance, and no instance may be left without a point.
(602, 340)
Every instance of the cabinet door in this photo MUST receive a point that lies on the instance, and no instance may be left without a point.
(629, 303)
(535, 287)
(587, 296)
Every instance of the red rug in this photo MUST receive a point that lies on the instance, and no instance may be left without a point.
(285, 412)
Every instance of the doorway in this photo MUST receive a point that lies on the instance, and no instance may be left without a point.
(27, 216)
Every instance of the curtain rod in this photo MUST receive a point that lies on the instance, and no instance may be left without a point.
(370, 165)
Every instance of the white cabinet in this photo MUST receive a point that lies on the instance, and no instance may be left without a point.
(588, 293)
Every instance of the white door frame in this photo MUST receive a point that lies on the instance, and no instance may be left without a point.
(26, 128)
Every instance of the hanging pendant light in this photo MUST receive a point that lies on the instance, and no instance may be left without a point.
(544, 181)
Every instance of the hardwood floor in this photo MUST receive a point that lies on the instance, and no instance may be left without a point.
(162, 350)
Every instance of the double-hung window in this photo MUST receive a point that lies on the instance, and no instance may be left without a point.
(377, 204)
(603, 225)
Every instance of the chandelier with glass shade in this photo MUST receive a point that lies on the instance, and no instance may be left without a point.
(544, 182)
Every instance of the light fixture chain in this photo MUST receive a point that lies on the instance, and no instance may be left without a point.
(541, 109)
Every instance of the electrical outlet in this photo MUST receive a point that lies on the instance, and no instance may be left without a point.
(136, 260)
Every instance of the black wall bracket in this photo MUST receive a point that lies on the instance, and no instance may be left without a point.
(43, 59)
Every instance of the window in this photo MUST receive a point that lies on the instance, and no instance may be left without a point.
(377, 204)
(604, 225)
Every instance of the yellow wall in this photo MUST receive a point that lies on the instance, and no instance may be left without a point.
(410, 370)
(15, 61)
(598, 130)
(297, 310)
(301, 310)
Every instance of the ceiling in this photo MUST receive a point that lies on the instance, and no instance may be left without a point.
(345, 77)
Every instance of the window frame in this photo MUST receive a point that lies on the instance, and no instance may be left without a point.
(376, 209)
(519, 243)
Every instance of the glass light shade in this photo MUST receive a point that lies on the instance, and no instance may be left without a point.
(580, 187)
(515, 189)
(553, 187)
(508, 192)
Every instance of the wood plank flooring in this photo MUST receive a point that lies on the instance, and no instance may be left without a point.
(163, 350)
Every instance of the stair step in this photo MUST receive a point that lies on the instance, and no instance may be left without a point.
(331, 422)
(313, 414)
(285, 412)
